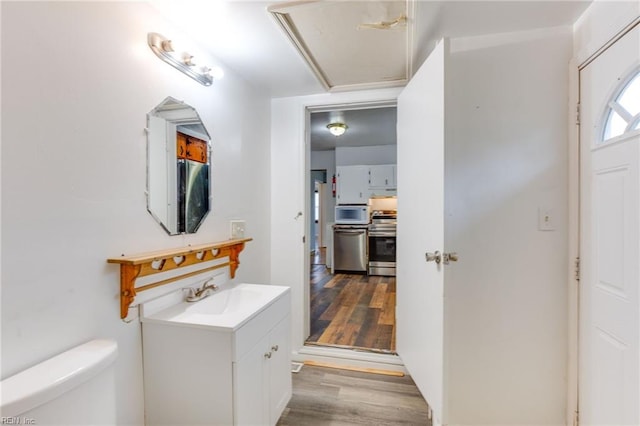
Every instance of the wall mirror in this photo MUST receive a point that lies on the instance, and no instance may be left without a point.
(178, 167)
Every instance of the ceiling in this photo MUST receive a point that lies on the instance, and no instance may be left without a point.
(366, 127)
(246, 38)
(351, 45)
(249, 40)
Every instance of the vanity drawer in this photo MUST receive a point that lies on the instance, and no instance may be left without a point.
(260, 325)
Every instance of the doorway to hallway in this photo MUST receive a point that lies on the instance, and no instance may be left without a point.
(348, 310)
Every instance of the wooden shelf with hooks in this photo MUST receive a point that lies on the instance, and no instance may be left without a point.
(157, 262)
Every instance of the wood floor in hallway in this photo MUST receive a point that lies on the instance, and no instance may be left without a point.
(351, 310)
(327, 396)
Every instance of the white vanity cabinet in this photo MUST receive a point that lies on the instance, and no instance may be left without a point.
(197, 373)
(268, 362)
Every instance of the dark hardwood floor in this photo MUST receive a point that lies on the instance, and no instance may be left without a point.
(327, 396)
(319, 256)
(351, 310)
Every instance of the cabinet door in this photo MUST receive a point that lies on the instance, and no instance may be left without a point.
(382, 176)
(197, 150)
(353, 184)
(181, 145)
(250, 379)
(262, 379)
(279, 365)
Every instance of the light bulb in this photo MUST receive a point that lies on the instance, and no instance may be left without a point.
(337, 129)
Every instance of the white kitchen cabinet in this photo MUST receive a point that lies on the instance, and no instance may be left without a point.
(382, 176)
(207, 375)
(382, 180)
(352, 184)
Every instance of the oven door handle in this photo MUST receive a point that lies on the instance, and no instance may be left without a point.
(350, 231)
(382, 234)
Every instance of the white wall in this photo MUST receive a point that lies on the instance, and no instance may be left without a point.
(367, 155)
(324, 160)
(77, 81)
(600, 23)
(289, 179)
(506, 299)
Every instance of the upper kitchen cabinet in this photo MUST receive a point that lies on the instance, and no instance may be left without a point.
(352, 184)
(382, 179)
(356, 184)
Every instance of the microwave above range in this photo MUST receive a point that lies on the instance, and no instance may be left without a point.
(352, 215)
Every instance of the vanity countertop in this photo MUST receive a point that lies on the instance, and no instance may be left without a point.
(228, 309)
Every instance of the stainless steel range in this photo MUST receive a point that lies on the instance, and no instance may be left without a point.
(382, 243)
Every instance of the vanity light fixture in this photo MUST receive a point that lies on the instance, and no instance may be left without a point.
(337, 129)
(182, 61)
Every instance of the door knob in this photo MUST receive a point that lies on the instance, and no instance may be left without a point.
(449, 257)
(434, 257)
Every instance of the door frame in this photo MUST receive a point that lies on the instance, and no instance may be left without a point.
(288, 184)
(337, 356)
(573, 283)
(575, 170)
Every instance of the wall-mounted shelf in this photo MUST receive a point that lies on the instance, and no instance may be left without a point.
(157, 262)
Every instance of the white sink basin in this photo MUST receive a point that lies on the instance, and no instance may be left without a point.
(227, 309)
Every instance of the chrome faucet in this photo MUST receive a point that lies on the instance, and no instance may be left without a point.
(198, 294)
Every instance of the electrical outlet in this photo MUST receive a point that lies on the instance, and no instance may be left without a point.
(237, 229)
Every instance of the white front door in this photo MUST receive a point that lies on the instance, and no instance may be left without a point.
(420, 178)
(609, 377)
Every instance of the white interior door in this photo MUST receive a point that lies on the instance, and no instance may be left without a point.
(609, 378)
(420, 178)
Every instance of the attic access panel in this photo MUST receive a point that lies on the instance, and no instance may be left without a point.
(351, 44)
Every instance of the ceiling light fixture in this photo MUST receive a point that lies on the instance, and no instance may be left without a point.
(182, 61)
(337, 129)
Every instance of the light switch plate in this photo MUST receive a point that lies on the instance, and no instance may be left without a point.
(237, 229)
(546, 219)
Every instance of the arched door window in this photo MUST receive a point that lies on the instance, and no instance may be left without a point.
(623, 111)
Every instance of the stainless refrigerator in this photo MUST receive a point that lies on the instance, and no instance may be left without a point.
(193, 194)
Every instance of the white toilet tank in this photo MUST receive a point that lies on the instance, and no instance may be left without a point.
(76, 387)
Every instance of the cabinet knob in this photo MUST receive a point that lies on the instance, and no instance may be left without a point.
(267, 355)
(275, 348)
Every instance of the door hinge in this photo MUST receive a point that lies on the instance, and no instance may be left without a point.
(577, 269)
(576, 418)
(304, 239)
(578, 114)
